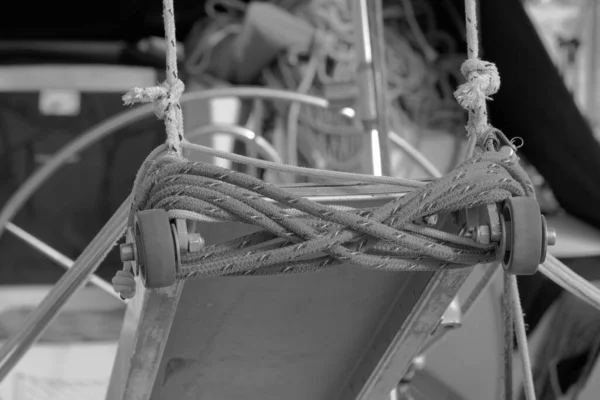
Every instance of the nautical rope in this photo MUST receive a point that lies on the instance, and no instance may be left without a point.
(166, 96)
(519, 325)
(508, 333)
(483, 80)
(217, 192)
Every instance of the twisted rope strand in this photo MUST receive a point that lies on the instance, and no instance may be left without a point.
(166, 96)
(483, 80)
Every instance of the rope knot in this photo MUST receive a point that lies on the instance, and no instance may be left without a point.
(170, 98)
(483, 80)
(163, 96)
(166, 106)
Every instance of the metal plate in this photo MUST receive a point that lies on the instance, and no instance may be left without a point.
(343, 333)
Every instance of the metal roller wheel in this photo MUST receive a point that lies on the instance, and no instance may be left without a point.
(523, 244)
(156, 251)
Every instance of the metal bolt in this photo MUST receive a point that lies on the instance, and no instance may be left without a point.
(195, 242)
(482, 234)
(127, 252)
(551, 236)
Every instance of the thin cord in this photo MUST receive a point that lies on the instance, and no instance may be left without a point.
(166, 96)
(522, 338)
(415, 154)
(240, 132)
(483, 80)
(508, 319)
(294, 113)
(171, 52)
(566, 278)
(313, 172)
(472, 31)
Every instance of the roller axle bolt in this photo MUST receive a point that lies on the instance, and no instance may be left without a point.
(525, 236)
(195, 242)
(482, 234)
(551, 236)
(127, 252)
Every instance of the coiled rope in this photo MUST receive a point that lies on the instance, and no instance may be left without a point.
(385, 238)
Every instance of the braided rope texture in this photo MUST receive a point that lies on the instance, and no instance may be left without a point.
(388, 238)
(166, 96)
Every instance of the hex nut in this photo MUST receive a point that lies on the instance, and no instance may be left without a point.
(482, 234)
(195, 242)
(127, 252)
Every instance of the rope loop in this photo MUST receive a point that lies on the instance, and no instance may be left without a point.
(166, 107)
(483, 80)
(493, 138)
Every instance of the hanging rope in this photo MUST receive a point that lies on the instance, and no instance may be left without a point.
(166, 96)
(483, 80)
(166, 107)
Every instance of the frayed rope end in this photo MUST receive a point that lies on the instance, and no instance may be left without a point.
(166, 107)
(144, 95)
(483, 80)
